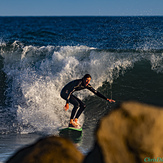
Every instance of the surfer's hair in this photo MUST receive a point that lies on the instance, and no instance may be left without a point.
(87, 76)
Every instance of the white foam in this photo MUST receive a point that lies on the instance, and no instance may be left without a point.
(36, 76)
(157, 63)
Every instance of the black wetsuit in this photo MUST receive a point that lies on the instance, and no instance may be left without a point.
(67, 94)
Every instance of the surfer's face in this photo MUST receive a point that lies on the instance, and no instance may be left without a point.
(87, 81)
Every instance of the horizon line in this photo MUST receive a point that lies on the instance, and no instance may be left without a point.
(81, 15)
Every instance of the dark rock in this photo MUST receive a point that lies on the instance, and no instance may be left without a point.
(131, 134)
(48, 150)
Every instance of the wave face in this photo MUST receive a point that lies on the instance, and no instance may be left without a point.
(35, 65)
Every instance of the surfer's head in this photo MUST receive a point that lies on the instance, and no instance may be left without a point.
(86, 79)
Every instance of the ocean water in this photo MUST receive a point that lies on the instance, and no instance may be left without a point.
(39, 55)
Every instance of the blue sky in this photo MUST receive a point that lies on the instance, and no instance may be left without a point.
(81, 7)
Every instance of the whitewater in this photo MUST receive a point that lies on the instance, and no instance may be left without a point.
(36, 76)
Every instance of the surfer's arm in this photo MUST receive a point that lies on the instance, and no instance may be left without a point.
(98, 93)
(66, 106)
(71, 87)
(110, 100)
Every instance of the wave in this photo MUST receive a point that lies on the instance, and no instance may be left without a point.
(36, 75)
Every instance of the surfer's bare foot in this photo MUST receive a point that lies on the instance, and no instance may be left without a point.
(76, 122)
(72, 123)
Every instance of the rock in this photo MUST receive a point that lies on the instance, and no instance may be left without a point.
(48, 150)
(133, 133)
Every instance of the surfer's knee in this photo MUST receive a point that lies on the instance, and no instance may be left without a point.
(83, 106)
(80, 106)
(77, 106)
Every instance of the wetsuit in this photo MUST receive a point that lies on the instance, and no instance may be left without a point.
(67, 94)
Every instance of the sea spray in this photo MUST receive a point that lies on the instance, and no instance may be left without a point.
(36, 75)
(157, 63)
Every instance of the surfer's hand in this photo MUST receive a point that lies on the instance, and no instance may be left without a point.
(110, 100)
(66, 107)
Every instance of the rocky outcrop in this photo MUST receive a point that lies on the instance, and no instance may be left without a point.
(49, 150)
(133, 133)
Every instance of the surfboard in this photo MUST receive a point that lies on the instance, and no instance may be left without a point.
(72, 133)
(71, 128)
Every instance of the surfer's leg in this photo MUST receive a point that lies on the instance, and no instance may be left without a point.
(77, 104)
(79, 112)
(81, 109)
(74, 100)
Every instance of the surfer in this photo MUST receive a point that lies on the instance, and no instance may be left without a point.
(67, 94)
